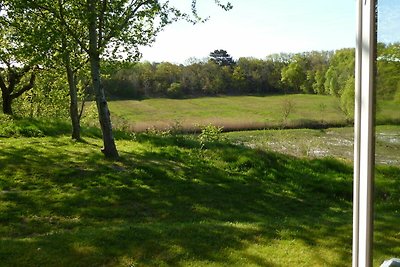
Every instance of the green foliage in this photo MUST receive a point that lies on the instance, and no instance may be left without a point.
(318, 85)
(254, 76)
(388, 70)
(239, 79)
(213, 81)
(49, 99)
(341, 69)
(347, 99)
(221, 58)
(12, 128)
(388, 77)
(312, 72)
(165, 75)
(175, 90)
(294, 75)
(396, 97)
(23, 127)
(209, 134)
(132, 81)
(17, 64)
(303, 72)
(98, 30)
(90, 115)
(191, 79)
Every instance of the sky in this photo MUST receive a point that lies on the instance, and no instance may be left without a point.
(257, 28)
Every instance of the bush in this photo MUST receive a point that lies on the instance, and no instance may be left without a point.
(209, 133)
(10, 127)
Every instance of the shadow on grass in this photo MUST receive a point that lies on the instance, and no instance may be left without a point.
(166, 203)
(30, 127)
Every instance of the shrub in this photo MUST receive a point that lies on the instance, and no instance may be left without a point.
(209, 133)
(10, 127)
(288, 107)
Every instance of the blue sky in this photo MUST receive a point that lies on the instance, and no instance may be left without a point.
(389, 21)
(257, 28)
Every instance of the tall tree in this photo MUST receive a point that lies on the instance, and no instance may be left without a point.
(112, 29)
(295, 74)
(71, 68)
(388, 70)
(341, 69)
(50, 44)
(221, 58)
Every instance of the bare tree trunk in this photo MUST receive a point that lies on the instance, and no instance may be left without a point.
(109, 149)
(73, 94)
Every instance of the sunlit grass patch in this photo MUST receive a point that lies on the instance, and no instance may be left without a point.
(171, 202)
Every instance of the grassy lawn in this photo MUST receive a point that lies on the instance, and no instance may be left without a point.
(236, 112)
(170, 203)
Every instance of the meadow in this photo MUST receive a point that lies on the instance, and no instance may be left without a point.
(231, 112)
(177, 200)
(238, 112)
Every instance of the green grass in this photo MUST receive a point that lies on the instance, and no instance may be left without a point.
(388, 112)
(170, 203)
(232, 112)
(236, 112)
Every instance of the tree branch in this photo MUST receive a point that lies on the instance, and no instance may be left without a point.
(101, 23)
(80, 65)
(60, 15)
(27, 87)
(69, 30)
(82, 108)
(128, 15)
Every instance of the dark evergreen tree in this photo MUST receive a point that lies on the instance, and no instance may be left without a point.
(222, 58)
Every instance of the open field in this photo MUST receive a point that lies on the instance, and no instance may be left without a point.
(168, 202)
(237, 112)
(241, 112)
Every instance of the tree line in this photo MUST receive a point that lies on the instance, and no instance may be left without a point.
(316, 72)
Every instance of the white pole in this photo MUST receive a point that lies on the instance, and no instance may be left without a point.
(357, 133)
(364, 132)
